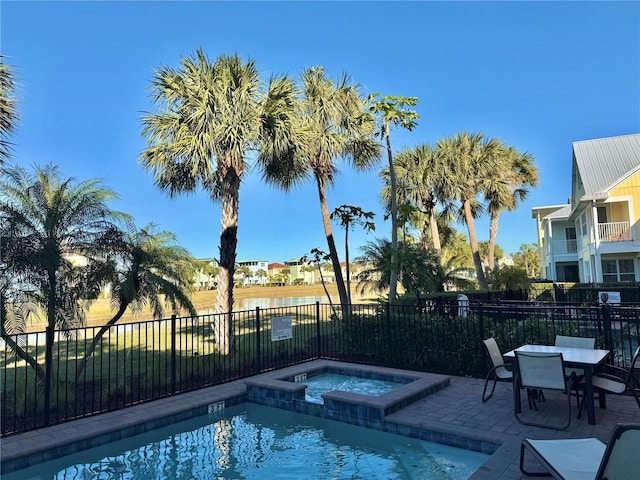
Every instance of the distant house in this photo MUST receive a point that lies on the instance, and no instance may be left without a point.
(254, 267)
(278, 273)
(596, 236)
(206, 278)
(302, 272)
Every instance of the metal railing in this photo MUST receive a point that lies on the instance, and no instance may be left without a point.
(565, 246)
(614, 231)
(143, 361)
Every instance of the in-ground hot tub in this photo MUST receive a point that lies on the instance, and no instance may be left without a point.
(287, 389)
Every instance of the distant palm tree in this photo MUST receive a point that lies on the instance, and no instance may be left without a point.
(208, 118)
(146, 267)
(334, 124)
(471, 160)
(420, 270)
(506, 187)
(393, 110)
(8, 108)
(45, 221)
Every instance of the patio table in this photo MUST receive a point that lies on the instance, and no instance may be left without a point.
(583, 358)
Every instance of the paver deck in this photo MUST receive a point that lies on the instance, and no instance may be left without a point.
(455, 410)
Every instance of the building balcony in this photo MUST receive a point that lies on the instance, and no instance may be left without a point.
(565, 246)
(614, 232)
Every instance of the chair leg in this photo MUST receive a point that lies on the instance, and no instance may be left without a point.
(563, 426)
(530, 474)
(486, 397)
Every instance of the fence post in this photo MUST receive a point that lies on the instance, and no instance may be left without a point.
(318, 342)
(258, 352)
(388, 326)
(481, 322)
(606, 323)
(48, 361)
(173, 354)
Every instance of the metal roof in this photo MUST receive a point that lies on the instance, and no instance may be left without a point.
(604, 162)
(563, 213)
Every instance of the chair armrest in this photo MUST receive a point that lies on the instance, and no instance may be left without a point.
(612, 370)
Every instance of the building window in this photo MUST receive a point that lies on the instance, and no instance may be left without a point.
(586, 268)
(583, 223)
(621, 270)
(571, 243)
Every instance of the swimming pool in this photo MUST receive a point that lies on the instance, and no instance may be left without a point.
(255, 442)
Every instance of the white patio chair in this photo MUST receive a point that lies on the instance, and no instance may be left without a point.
(617, 380)
(498, 371)
(575, 342)
(588, 458)
(542, 371)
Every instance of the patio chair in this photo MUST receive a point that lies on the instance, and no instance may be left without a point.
(617, 380)
(588, 458)
(542, 371)
(498, 371)
(575, 342)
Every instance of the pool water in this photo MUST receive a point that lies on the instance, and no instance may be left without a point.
(251, 441)
(326, 382)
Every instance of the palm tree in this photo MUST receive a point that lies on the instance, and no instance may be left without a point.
(508, 185)
(146, 268)
(45, 221)
(470, 160)
(392, 110)
(348, 215)
(422, 183)
(334, 125)
(420, 270)
(8, 109)
(208, 118)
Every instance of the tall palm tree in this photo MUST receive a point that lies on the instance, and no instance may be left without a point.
(208, 118)
(8, 108)
(393, 110)
(46, 220)
(470, 160)
(146, 267)
(422, 183)
(508, 186)
(334, 125)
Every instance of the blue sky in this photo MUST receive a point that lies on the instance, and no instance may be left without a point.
(537, 75)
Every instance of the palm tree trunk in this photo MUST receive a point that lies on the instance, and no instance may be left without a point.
(324, 285)
(13, 345)
(393, 274)
(49, 338)
(346, 254)
(333, 251)
(228, 243)
(435, 232)
(94, 343)
(493, 231)
(482, 281)
(22, 354)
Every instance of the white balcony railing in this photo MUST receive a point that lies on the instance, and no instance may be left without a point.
(614, 232)
(565, 246)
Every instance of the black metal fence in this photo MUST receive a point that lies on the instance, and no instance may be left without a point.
(143, 361)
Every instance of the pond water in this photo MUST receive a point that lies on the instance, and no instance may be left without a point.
(252, 303)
